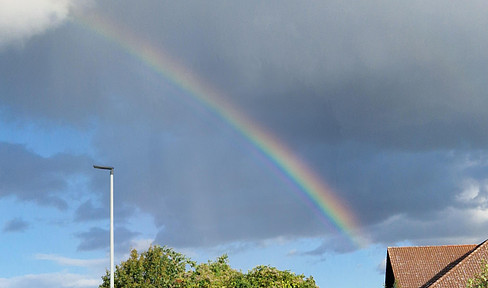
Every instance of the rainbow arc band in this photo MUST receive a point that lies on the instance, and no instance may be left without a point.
(324, 201)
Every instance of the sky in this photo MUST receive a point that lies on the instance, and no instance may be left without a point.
(305, 135)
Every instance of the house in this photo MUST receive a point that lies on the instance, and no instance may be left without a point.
(434, 266)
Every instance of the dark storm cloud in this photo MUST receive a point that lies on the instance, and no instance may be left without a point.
(205, 192)
(337, 244)
(375, 72)
(15, 225)
(389, 73)
(389, 182)
(47, 177)
(386, 101)
(52, 78)
(97, 238)
(94, 210)
(87, 211)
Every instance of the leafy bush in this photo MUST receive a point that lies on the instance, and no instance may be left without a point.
(156, 267)
(480, 280)
(270, 277)
(162, 267)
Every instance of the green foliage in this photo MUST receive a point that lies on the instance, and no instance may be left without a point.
(270, 277)
(480, 280)
(162, 267)
(157, 267)
(214, 275)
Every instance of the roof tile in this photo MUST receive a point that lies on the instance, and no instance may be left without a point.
(467, 268)
(415, 267)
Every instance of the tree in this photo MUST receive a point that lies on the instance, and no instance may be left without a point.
(216, 274)
(162, 267)
(481, 279)
(270, 277)
(154, 268)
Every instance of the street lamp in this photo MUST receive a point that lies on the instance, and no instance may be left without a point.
(111, 220)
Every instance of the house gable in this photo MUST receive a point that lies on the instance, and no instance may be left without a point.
(420, 267)
(467, 268)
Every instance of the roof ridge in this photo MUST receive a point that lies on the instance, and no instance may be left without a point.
(428, 246)
(464, 259)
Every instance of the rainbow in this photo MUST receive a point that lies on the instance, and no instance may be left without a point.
(321, 198)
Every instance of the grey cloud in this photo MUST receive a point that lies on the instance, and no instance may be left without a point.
(87, 211)
(213, 195)
(362, 95)
(378, 183)
(449, 226)
(48, 177)
(98, 238)
(383, 99)
(15, 225)
(333, 244)
(61, 83)
(385, 73)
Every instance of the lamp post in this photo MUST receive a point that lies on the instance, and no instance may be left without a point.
(111, 220)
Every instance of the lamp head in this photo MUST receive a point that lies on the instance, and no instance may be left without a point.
(103, 167)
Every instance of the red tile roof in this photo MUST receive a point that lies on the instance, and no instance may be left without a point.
(434, 266)
(467, 268)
